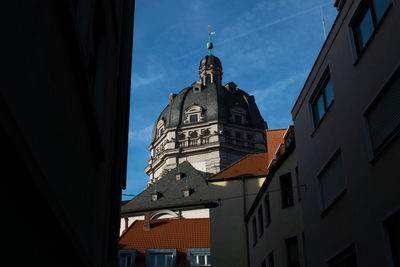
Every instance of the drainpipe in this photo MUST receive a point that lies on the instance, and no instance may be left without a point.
(245, 224)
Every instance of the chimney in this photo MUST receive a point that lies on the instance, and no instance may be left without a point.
(126, 223)
(146, 225)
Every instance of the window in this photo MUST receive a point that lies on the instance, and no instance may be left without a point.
(392, 230)
(292, 252)
(286, 190)
(238, 119)
(199, 256)
(127, 257)
(193, 118)
(238, 114)
(298, 184)
(193, 114)
(160, 257)
(271, 262)
(267, 211)
(366, 19)
(160, 127)
(254, 231)
(260, 221)
(345, 258)
(331, 180)
(382, 117)
(323, 98)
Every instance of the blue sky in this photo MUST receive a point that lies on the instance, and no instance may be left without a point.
(267, 47)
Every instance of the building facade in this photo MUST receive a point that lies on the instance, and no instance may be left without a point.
(347, 124)
(275, 219)
(64, 108)
(235, 189)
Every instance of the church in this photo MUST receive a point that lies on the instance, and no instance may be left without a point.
(205, 129)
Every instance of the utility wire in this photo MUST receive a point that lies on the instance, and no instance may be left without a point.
(225, 198)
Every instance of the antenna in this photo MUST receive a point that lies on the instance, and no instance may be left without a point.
(323, 22)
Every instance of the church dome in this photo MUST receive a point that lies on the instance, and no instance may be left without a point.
(210, 60)
(207, 102)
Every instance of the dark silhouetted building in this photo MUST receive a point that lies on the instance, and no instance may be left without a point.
(347, 121)
(64, 113)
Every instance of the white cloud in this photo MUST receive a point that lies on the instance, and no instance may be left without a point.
(280, 88)
(152, 72)
(141, 136)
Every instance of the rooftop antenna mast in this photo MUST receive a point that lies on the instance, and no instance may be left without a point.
(209, 44)
(323, 22)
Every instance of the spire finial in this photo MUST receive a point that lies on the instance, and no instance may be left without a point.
(209, 44)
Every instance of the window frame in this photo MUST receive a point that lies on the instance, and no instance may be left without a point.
(164, 251)
(132, 252)
(191, 251)
(373, 155)
(260, 220)
(293, 237)
(254, 228)
(325, 166)
(286, 205)
(267, 213)
(356, 18)
(320, 91)
(342, 251)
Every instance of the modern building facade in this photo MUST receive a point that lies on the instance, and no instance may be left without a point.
(274, 221)
(64, 107)
(347, 123)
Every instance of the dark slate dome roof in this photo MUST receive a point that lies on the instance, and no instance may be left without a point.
(210, 60)
(216, 102)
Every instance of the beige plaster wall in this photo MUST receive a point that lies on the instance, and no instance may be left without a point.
(227, 227)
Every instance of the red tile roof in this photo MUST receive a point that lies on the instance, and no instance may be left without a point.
(274, 139)
(253, 164)
(167, 233)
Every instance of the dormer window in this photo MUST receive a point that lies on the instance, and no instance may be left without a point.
(194, 118)
(194, 114)
(155, 196)
(187, 192)
(160, 127)
(238, 118)
(178, 176)
(238, 115)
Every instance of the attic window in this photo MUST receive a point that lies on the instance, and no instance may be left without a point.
(160, 127)
(193, 118)
(238, 115)
(178, 176)
(193, 114)
(155, 196)
(187, 192)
